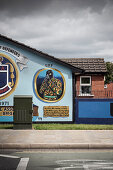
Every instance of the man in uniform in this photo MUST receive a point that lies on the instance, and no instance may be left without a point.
(51, 87)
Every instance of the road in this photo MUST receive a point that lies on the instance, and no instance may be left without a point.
(56, 159)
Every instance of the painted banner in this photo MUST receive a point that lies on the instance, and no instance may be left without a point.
(6, 111)
(21, 60)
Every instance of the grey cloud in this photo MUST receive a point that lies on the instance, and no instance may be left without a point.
(22, 7)
(26, 7)
(62, 28)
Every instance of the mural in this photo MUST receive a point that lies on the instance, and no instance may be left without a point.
(6, 110)
(8, 76)
(49, 85)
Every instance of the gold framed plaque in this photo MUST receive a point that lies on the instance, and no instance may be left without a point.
(56, 111)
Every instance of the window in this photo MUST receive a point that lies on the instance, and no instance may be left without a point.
(85, 85)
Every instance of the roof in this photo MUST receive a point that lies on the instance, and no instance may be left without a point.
(90, 65)
(37, 52)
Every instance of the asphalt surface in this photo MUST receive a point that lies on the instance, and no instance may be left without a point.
(8, 163)
(56, 160)
(56, 139)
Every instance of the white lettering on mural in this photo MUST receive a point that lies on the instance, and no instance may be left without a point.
(21, 60)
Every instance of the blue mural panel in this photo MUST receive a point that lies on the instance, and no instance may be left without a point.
(6, 118)
(95, 111)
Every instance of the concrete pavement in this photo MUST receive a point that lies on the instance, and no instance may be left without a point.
(56, 139)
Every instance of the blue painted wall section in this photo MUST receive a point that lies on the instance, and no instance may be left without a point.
(25, 85)
(93, 111)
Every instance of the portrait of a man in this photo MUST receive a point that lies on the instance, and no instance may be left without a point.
(50, 85)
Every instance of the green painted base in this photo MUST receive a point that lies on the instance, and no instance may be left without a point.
(18, 126)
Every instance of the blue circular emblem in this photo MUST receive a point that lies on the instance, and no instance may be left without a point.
(8, 76)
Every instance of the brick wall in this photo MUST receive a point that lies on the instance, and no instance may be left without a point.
(97, 82)
(97, 86)
(109, 86)
(78, 83)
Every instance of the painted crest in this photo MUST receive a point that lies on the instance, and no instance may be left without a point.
(8, 76)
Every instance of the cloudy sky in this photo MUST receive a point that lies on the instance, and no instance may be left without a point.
(62, 28)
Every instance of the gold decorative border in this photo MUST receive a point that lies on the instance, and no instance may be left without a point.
(17, 76)
(36, 87)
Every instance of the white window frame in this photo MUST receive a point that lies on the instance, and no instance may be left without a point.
(84, 85)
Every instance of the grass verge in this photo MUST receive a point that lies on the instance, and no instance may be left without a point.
(71, 127)
(55, 126)
(6, 126)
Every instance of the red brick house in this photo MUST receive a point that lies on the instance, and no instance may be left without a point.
(93, 99)
(91, 83)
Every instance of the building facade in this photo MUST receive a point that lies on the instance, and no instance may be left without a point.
(63, 90)
(26, 71)
(94, 99)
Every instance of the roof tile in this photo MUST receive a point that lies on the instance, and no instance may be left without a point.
(88, 64)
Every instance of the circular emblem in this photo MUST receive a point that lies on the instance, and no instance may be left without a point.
(49, 85)
(8, 76)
